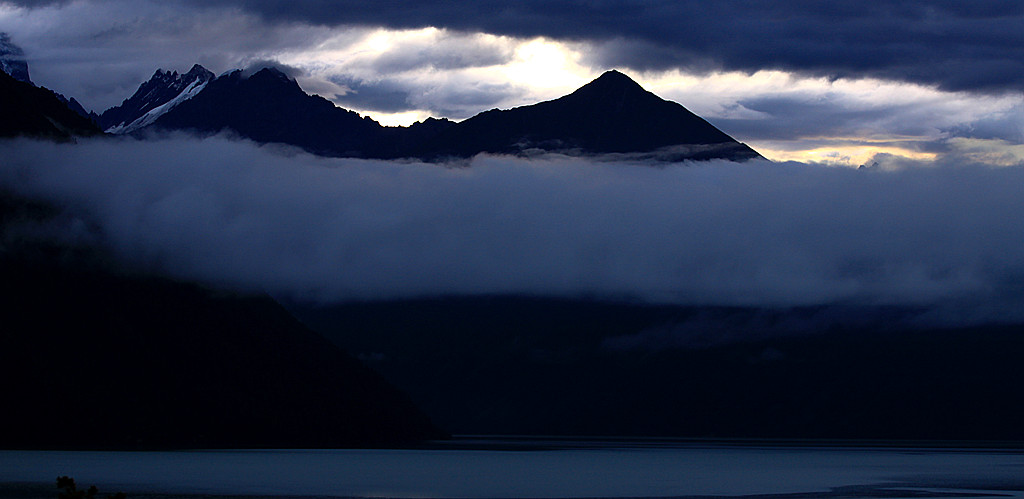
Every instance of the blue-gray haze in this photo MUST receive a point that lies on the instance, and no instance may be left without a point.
(271, 219)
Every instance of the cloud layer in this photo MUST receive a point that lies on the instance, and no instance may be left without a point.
(265, 218)
(954, 45)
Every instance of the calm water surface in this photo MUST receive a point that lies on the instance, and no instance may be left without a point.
(601, 470)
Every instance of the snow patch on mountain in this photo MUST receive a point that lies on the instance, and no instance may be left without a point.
(153, 114)
(164, 91)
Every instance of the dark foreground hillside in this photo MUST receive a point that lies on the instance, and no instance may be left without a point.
(511, 365)
(30, 111)
(95, 357)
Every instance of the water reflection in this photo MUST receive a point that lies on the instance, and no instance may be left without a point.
(544, 468)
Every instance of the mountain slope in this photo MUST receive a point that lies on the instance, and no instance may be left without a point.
(270, 107)
(163, 91)
(78, 108)
(612, 114)
(29, 111)
(12, 62)
(96, 356)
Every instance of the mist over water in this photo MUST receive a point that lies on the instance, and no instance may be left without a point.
(272, 219)
(689, 471)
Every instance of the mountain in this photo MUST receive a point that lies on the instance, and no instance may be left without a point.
(154, 98)
(12, 59)
(97, 355)
(612, 114)
(31, 111)
(78, 108)
(268, 106)
(13, 64)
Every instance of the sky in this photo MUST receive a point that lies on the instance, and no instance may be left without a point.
(840, 83)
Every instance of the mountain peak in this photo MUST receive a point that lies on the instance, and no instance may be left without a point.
(172, 77)
(198, 71)
(613, 76)
(163, 91)
(198, 75)
(272, 71)
(611, 82)
(160, 74)
(260, 71)
(270, 77)
(612, 114)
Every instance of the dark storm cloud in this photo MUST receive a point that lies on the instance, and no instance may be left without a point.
(871, 113)
(717, 233)
(955, 45)
(1007, 125)
(443, 54)
(815, 118)
(834, 119)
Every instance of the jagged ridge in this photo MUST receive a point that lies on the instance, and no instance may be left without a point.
(38, 112)
(612, 114)
(163, 91)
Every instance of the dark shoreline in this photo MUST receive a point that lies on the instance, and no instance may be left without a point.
(33, 490)
(556, 442)
(563, 442)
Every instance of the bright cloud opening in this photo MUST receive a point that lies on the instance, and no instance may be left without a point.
(547, 65)
(851, 156)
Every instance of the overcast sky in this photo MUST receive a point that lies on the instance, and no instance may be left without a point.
(836, 82)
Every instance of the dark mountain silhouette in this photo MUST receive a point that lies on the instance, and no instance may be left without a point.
(30, 111)
(78, 108)
(153, 98)
(268, 106)
(612, 114)
(535, 366)
(12, 62)
(96, 356)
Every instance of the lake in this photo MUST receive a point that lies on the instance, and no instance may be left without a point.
(536, 469)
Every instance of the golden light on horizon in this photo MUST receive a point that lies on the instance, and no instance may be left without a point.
(843, 155)
(396, 119)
